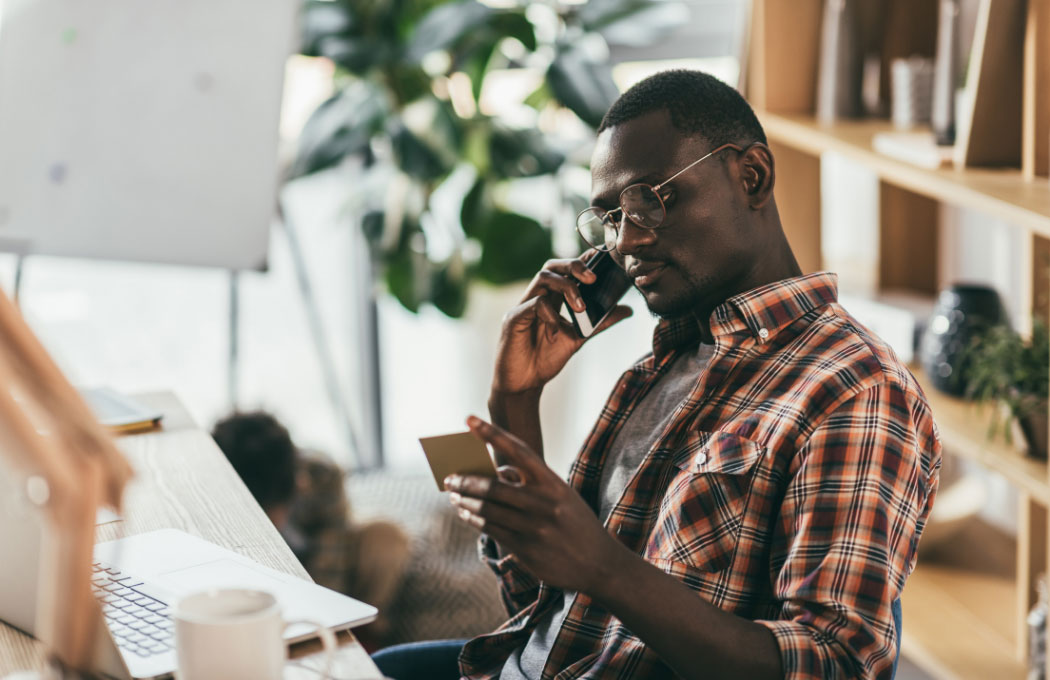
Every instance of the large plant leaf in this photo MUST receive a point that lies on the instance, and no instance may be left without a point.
(512, 23)
(401, 279)
(449, 289)
(514, 248)
(340, 127)
(477, 65)
(594, 15)
(582, 84)
(407, 270)
(321, 21)
(414, 156)
(522, 153)
(476, 209)
(405, 84)
(444, 25)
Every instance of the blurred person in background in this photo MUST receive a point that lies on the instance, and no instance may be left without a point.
(303, 494)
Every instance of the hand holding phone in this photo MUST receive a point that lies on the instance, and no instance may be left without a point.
(537, 338)
(600, 297)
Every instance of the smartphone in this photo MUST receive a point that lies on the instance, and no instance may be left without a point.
(600, 297)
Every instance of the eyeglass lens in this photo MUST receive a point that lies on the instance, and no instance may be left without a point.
(643, 207)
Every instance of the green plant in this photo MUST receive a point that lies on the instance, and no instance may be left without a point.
(1014, 373)
(408, 105)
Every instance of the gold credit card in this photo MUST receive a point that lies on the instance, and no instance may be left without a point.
(460, 453)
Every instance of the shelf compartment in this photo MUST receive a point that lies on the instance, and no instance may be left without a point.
(963, 426)
(999, 193)
(959, 618)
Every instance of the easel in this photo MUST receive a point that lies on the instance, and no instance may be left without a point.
(368, 355)
(368, 345)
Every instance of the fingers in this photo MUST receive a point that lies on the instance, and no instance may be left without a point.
(530, 500)
(561, 276)
(484, 514)
(523, 318)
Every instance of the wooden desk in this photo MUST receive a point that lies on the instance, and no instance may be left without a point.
(183, 481)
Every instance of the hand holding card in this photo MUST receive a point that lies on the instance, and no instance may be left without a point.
(460, 453)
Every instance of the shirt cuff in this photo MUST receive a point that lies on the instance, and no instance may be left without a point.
(808, 654)
(518, 585)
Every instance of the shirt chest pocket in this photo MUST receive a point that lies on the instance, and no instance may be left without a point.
(701, 510)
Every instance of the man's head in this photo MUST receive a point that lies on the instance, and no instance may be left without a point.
(721, 234)
(261, 451)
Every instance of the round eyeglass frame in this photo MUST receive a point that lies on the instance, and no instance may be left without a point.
(613, 226)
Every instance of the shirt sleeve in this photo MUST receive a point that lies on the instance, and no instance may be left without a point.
(518, 588)
(846, 539)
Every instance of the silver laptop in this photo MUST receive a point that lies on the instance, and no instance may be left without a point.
(138, 579)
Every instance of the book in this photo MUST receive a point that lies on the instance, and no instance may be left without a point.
(917, 148)
(119, 412)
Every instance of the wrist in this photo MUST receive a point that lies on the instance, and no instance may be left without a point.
(503, 400)
(612, 573)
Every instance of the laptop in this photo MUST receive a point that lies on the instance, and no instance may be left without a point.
(139, 579)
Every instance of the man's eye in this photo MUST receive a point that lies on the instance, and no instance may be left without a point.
(668, 196)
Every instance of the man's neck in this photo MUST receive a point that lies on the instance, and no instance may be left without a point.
(769, 270)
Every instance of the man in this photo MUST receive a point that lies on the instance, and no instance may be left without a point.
(750, 502)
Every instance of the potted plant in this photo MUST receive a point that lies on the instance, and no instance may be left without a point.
(1012, 372)
(409, 107)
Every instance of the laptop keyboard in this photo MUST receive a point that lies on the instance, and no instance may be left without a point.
(140, 622)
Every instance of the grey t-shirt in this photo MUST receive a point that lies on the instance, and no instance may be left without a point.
(628, 450)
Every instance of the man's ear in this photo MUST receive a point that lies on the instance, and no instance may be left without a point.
(757, 174)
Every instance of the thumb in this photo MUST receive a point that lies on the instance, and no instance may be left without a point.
(516, 452)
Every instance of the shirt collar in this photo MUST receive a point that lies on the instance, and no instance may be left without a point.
(762, 312)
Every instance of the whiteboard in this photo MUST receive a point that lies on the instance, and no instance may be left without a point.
(142, 130)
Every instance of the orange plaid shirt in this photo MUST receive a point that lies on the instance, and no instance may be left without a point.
(790, 488)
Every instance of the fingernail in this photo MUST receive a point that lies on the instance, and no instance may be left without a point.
(454, 498)
(579, 305)
(473, 421)
(452, 482)
(464, 514)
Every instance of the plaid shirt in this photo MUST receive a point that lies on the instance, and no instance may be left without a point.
(790, 488)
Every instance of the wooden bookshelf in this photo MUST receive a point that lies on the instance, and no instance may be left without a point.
(966, 603)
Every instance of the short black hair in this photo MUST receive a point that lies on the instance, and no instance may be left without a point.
(699, 104)
(261, 451)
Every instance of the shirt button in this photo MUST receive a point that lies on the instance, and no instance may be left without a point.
(701, 458)
(763, 333)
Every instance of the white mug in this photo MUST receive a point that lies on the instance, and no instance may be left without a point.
(233, 633)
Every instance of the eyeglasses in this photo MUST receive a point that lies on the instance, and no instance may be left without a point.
(643, 204)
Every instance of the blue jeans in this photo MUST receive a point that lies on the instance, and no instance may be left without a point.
(898, 623)
(434, 660)
(439, 659)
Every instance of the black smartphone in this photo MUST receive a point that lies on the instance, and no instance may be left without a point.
(610, 285)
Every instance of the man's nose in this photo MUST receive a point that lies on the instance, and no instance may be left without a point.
(630, 237)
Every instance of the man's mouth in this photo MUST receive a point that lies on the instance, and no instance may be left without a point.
(645, 275)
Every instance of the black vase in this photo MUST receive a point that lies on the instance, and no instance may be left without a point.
(962, 311)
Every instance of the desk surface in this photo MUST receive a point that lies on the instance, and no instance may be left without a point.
(183, 481)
